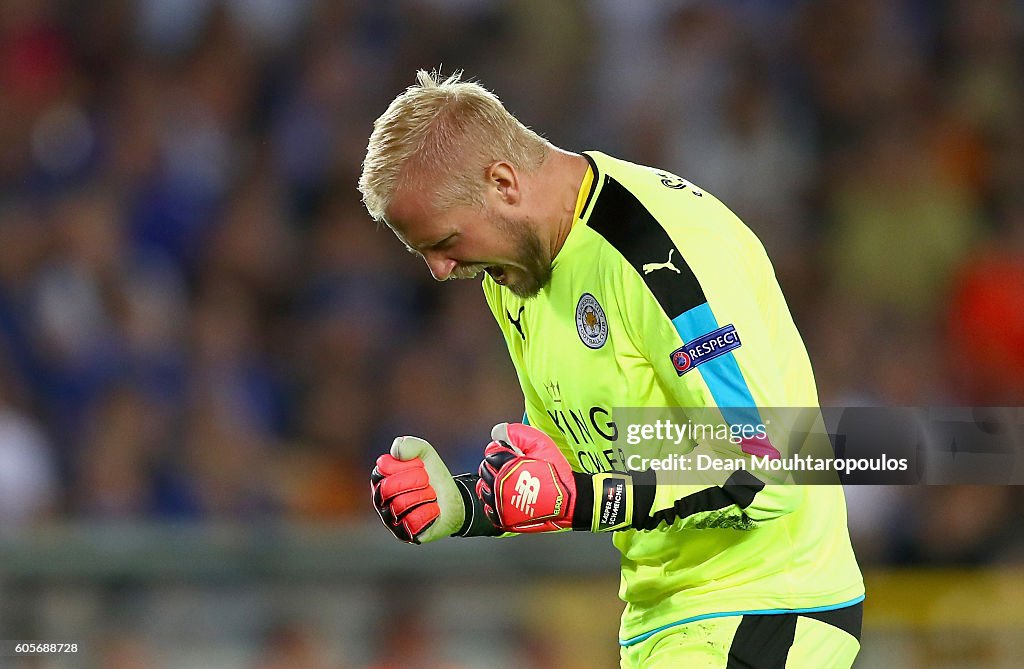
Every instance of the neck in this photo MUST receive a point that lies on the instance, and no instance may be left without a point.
(562, 174)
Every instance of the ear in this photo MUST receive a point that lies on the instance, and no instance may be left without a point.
(503, 181)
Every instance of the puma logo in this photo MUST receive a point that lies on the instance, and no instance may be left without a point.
(518, 321)
(654, 266)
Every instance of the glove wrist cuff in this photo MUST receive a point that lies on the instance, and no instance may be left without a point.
(610, 501)
(476, 523)
(583, 511)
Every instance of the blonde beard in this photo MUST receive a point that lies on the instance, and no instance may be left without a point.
(531, 261)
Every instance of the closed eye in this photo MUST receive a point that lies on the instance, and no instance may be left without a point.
(445, 243)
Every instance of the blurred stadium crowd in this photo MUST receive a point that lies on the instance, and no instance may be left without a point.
(199, 321)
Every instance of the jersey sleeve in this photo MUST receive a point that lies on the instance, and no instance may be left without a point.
(693, 343)
(736, 499)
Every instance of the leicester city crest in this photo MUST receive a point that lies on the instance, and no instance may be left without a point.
(591, 322)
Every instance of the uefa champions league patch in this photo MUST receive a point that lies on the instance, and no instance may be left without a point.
(704, 348)
(591, 323)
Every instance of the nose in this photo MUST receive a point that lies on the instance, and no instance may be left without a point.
(441, 267)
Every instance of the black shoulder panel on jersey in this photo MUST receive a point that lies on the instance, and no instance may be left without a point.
(626, 224)
(593, 184)
(739, 489)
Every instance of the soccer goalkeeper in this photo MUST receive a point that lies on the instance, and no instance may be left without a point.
(616, 285)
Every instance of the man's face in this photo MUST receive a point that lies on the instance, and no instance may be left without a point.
(460, 243)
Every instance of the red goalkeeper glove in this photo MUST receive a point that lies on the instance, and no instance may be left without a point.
(527, 485)
(414, 493)
(418, 499)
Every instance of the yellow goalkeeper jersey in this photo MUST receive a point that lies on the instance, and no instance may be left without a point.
(661, 297)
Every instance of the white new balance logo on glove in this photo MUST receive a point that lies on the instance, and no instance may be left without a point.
(528, 487)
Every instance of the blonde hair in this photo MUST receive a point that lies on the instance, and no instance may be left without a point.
(445, 134)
